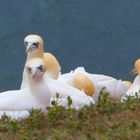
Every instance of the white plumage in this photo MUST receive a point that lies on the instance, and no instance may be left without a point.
(16, 103)
(133, 90)
(116, 88)
(41, 87)
(64, 90)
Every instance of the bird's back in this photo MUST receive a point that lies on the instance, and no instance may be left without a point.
(53, 66)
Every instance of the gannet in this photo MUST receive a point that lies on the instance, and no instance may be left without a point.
(135, 88)
(16, 103)
(35, 49)
(116, 88)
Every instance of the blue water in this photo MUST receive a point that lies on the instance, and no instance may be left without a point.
(101, 35)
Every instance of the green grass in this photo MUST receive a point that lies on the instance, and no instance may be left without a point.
(107, 120)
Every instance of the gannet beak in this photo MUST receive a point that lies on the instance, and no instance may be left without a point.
(34, 73)
(137, 66)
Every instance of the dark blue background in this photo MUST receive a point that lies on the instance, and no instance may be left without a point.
(101, 35)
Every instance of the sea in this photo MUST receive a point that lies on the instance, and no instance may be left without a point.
(103, 36)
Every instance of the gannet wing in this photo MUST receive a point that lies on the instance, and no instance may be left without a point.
(62, 89)
(65, 77)
(115, 88)
(17, 100)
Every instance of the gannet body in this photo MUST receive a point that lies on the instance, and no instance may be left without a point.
(35, 49)
(135, 88)
(63, 89)
(17, 103)
(116, 88)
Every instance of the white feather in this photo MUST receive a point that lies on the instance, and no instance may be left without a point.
(116, 88)
(135, 88)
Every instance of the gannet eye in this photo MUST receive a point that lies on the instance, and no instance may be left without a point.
(40, 68)
(36, 44)
(25, 43)
(29, 69)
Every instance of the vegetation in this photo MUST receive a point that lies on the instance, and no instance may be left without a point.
(107, 119)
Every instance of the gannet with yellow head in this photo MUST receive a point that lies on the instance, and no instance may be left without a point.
(16, 103)
(135, 87)
(35, 49)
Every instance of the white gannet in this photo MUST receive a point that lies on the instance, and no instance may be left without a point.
(35, 49)
(116, 88)
(135, 88)
(16, 103)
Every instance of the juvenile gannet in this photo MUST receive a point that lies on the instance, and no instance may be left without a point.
(35, 49)
(16, 103)
(135, 88)
(116, 88)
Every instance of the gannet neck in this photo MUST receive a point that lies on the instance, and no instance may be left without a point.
(137, 66)
(137, 81)
(35, 54)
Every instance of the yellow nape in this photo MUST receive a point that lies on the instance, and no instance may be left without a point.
(137, 66)
(81, 82)
(53, 67)
(127, 83)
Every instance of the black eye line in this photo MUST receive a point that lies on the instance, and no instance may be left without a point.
(29, 69)
(36, 44)
(40, 67)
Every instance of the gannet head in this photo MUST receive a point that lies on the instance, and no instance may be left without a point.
(82, 82)
(137, 66)
(35, 68)
(33, 42)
